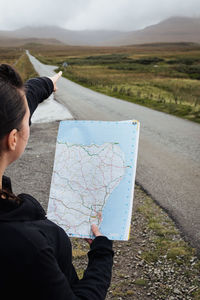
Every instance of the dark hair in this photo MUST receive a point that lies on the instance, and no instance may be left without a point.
(12, 111)
(8, 200)
(12, 108)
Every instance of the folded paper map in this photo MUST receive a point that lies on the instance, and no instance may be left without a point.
(93, 177)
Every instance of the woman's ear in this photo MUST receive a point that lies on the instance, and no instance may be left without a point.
(12, 140)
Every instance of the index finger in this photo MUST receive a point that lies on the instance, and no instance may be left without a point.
(95, 230)
(58, 75)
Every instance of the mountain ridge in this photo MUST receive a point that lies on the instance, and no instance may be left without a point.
(173, 29)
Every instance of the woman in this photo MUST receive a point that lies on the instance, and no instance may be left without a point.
(35, 253)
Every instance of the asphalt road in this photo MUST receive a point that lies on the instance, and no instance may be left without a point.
(169, 149)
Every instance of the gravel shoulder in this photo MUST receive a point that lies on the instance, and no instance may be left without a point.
(156, 263)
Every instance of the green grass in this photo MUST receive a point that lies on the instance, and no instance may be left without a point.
(117, 290)
(140, 282)
(164, 232)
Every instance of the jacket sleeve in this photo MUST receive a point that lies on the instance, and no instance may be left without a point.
(52, 284)
(97, 277)
(37, 90)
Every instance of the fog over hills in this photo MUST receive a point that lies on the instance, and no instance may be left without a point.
(69, 37)
(174, 29)
(16, 42)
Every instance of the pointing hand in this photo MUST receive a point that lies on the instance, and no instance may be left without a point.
(54, 79)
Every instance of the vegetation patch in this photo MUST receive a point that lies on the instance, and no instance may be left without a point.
(78, 250)
(25, 68)
(80, 273)
(141, 282)
(17, 58)
(9, 55)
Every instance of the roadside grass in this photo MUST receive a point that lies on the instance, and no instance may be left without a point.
(168, 248)
(9, 55)
(25, 68)
(164, 231)
(164, 77)
(19, 60)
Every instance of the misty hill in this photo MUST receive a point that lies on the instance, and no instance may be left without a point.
(16, 42)
(175, 29)
(70, 37)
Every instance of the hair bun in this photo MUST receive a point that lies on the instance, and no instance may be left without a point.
(9, 74)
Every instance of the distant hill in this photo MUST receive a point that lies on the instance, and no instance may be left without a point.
(70, 37)
(16, 42)
(174, 29)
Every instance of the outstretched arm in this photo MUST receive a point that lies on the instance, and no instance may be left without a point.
(38, 89)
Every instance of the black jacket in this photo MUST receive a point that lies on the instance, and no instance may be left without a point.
(35, 253)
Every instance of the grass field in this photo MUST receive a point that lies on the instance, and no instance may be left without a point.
(165, 77)
(10, 55)
(17, 58)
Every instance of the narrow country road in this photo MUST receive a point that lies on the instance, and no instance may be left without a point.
(169, 149)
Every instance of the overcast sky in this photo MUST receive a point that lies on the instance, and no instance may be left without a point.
(93, 14)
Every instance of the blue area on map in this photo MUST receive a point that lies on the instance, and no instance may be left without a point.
(117, 211)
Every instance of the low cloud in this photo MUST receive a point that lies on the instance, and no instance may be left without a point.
(93, 14)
